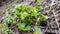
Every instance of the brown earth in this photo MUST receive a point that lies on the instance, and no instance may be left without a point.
(52, 25)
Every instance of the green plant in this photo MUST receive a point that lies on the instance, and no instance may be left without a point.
(24, 16)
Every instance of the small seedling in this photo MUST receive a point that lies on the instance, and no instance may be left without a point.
(24, 16)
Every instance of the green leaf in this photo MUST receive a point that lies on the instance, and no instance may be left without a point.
(26, 7)
(34, 13)
(37, 1)
(18, 8)
(44, 17)
(1, 25)
(38, 21)
(21, 26)
(27, 28)
(32, 8)
(8, 19)
(25, 14)
(18, 13)
(52, 11)
(36, 33)
(36, 30)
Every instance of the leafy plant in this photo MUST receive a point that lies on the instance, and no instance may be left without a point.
(27, 15)
(24, 16)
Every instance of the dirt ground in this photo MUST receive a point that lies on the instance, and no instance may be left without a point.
(52, 25)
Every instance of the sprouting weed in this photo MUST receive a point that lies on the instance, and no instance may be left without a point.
(24, 16)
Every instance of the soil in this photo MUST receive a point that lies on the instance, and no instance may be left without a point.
(50, 26)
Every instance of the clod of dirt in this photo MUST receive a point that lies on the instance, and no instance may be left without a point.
(43, 23)
(3, 0)
(49, 33)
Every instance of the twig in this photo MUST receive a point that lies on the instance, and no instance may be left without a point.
(49, 6)
(54, 13)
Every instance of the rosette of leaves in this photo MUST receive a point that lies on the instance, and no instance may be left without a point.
(26, 14)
